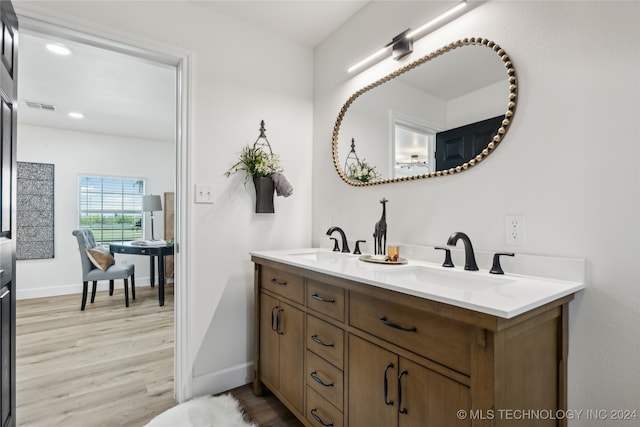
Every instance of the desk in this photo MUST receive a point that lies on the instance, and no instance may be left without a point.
(152, 252)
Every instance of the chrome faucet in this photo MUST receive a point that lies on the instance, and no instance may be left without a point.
(345, 245)
(469, 257)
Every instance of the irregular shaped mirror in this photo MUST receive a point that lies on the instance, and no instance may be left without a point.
(438, 115)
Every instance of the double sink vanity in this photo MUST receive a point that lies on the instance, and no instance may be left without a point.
(343, 342)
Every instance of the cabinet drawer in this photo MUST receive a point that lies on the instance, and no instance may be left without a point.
(320, 412)
(443, 340)
(325, 340)
(283, 283)
(325, 379)
(326, 299)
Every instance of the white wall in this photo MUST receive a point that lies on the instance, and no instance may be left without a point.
(239, 76)
(80, 153)
(569, 163)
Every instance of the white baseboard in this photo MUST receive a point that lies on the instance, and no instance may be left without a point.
(221, 381)
(54, 291)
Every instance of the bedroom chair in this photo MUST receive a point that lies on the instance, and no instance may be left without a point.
(90, 272)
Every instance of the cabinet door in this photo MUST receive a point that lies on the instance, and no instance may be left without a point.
(269, 348)
(291, 332)
(373, 373)
(428, 399)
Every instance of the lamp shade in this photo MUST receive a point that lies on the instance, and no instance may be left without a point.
(151, 203)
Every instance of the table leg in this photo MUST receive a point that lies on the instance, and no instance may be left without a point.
(161, 280)
(152, 271)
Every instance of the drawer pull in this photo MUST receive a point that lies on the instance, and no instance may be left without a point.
(317, 379)
(386, 385)
(318, 419)
(4, 294)
(401, 410)
(319, 298)
(274, 319)
(384, 320)
(278, 282)
(278, 324)
(319, 341)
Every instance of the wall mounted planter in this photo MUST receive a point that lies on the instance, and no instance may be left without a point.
(264, 194)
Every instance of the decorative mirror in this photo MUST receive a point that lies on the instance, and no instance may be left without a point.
(438, 115)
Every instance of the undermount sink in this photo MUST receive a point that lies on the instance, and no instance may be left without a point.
(319, 256)
(447, 278)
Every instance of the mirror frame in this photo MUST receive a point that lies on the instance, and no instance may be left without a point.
(502, 130)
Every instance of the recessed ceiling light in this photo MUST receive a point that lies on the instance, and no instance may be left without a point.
(59, 49)
(76, 115)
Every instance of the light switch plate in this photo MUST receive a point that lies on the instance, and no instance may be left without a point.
(204, 193)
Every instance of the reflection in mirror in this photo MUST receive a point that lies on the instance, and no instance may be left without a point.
(436, 116)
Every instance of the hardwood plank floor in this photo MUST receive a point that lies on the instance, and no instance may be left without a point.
(107, 366)
(266, 411)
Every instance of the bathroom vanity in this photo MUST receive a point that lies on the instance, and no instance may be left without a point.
(342, 342)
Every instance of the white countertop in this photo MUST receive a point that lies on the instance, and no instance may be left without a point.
(504, 296)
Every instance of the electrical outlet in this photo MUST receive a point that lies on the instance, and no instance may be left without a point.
(514, 227)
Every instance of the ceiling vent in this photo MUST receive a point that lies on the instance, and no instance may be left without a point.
(40, 106)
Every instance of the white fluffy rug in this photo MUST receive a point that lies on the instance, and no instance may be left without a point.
(204, 411)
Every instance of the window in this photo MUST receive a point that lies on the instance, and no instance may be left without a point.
(111, 207)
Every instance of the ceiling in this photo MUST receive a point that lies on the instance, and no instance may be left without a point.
(307, 22)
(126, 96)
(117, 94)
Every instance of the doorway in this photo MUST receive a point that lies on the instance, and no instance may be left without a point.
(178, 62)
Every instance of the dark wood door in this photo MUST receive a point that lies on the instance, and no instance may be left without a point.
(8, 100)
(459, 145)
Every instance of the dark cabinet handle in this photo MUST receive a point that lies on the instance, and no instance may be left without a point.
(319, 298)
(319, 341)
(274, 319)
(318, 419)
(278, 319)
(401, 410)
(384, 320)
(386, 385)
(278, 282)
(317, 379)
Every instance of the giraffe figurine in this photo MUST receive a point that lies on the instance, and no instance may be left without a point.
(380, 231)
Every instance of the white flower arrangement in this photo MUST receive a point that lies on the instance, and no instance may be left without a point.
(256, 163)
(363, 172)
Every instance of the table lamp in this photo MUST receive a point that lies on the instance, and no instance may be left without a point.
(151, 203)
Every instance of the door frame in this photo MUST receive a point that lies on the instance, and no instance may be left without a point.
(118, 41)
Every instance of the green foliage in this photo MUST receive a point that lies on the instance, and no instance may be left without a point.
(255, 163)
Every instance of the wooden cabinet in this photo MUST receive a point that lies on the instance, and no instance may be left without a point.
(342, 353)
(282, 349)
(395, 391)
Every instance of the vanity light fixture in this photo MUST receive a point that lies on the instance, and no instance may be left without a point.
(76, 115)
(413, 163)
(58, 49)
(402, 44)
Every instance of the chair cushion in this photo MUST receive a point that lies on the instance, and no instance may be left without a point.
(100, 257)
(116, 271)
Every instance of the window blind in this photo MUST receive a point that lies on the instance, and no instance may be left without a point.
(111, 207)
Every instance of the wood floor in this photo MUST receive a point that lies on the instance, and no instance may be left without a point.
(107, 366)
